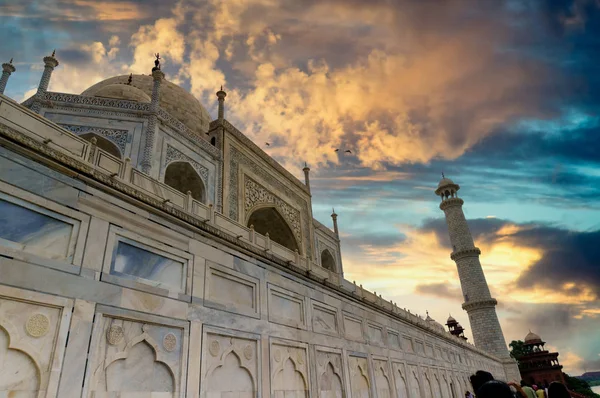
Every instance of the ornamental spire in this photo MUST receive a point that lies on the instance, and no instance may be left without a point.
(7, 70)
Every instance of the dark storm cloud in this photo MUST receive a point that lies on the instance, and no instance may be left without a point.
(567, 256)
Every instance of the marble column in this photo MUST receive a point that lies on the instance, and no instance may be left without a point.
(7, 69)
(146, 163)
(221, 96)
(50, 63)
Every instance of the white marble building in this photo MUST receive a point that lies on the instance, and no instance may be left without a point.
(147, 251)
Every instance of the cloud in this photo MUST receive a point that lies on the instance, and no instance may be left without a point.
(442, 290)
(400, 98)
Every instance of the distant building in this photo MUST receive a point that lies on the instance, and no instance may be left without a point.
(538, 365)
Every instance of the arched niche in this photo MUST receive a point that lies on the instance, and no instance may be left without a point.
(401, 387)
(20, 375)
(230, 378)
(415, 386)
(327, 260)
(382, 383)
(139, 372)
(330, 383)
(289, 381)
(103, 143)
(182, 177)
(269, 220)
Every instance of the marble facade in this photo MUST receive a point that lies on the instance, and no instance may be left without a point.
(115, 285)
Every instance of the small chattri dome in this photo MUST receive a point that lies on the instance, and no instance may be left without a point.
(532, 338)
(451, 319)
(445, 181)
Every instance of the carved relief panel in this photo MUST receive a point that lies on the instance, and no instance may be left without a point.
(289, 371)
(383, 379)
(330, 377)
(32, 340)
(360, 382)
(230, 365)
(134, 356)
(400, 380)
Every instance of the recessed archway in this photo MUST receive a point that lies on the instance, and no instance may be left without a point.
(103, 143)
(182, 177)
(327, 260)
(268, 220)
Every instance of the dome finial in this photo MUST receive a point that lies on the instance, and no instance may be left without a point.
(443, 176)
(156, 62)
(10, 62)
(53, 52)
(130, 79)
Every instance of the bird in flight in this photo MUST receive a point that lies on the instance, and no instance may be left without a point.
(336, 150)
(267, 144)
(347, 151)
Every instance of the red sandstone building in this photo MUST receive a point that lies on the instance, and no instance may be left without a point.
(538, 365)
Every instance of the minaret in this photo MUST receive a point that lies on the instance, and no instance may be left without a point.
(157, 77)
(306, 171)
(7, 69)
(50, 62)
(335, 226)
(479, 304)
(221, 96)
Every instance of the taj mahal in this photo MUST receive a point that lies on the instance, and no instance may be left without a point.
(149, 251)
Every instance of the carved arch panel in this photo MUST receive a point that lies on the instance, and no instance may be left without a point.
(360, 383)
(136, 356)
(290, 375)
(383, 379)
(32, 341)
(230, 365)
(330, 377)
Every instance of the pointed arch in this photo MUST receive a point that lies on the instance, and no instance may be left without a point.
(415, 386)
(330, 382)
(269, 220)
(184, 178)
(103, 143)
(139, 371)
(231, 369)
(22, 374)
(327, 260)
(401, 386)
(382, 383)
(288, 378)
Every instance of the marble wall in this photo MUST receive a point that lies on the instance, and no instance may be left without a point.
(100, 297)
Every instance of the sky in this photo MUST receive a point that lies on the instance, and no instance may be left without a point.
(502, 96)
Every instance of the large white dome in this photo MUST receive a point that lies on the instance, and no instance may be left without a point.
(182, 105)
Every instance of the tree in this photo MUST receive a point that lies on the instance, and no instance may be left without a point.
(518, 349)
(580, 386)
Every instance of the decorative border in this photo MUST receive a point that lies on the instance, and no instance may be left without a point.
(116, 136)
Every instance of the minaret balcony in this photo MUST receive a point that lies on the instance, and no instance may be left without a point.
(470, 252)
(472, 305)
(451, 202)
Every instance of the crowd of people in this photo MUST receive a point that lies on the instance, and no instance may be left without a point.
(485, 386)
